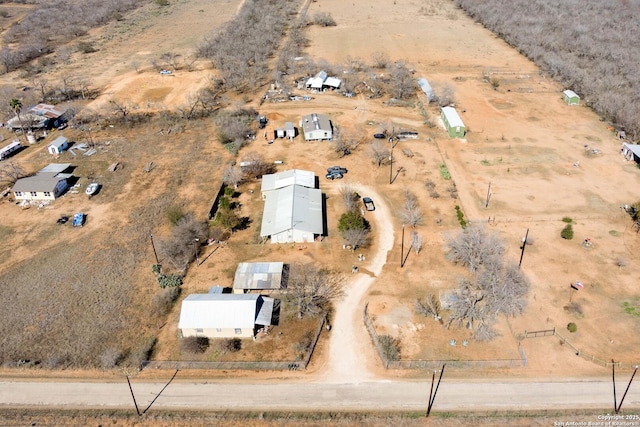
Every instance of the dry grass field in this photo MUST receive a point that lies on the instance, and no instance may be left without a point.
(82, 297)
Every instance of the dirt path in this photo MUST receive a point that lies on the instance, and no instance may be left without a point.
(349, 345)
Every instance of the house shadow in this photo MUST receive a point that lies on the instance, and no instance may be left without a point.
(325, 227)
(275, 315)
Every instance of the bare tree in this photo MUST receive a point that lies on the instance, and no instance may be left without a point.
(429, 307)
(256, 165)
(312, 290)
(357, 238)
(403, 85)
(447, 95)
(411, 214)
(232, 175)
(349, 196)
(347, 139)
(416, 241)
(182, 245)
(10, 172)
(41, 85)
(380, 60)
(120, 107)
(473, 247)
(379, 152)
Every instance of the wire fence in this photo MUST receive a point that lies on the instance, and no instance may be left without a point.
(256, 365)
(433, 364)
(585, 355)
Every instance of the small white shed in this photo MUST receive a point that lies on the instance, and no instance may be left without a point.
(58, 145)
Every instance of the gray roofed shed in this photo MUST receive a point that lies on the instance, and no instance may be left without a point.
(258, 275)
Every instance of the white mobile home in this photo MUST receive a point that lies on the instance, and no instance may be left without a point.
(6, 151)
(217, 315)
(48, 184)
(316, 127)
(453, 123)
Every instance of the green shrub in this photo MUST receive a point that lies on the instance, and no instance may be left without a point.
(175, 214)
(170, 281)
(572, 327)
(162, 2)
(444, 172)
(86, 47)
(460, 216)
(228, 191)
(156, 269)
(351, 220)
(567, 232)
(232, 344)
(567, 219)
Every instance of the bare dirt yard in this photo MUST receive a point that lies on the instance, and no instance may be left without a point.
(543, 160)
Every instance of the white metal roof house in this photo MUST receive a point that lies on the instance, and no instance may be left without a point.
(427, 89)
(282, 179)
(48, 184)
(58, 145)
(316, 127)
(40, 116)
(216, 315)
(258, 276)
(292, 214)
(322, 81)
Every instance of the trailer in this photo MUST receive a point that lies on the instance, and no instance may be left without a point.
(6, 152)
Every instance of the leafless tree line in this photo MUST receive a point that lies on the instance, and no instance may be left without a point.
(242, 49)
(54, 23)
(585, 45)
(495, 286)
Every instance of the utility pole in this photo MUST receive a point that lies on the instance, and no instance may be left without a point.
(195, 247)
(154, 249)
(391, 161)
(524, 245)
(432, 396)
(402, 249)
(486, 204)
(133, 396)
(617, 407)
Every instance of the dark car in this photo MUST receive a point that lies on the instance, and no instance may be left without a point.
(63, 219)
(333, 175)
(368, 204)
(379, 136)
(337, 169)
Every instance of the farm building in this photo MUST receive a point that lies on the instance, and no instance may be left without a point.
(322, 81)
(631, 152)
(257, 276)
(58, 145)
(316, 127)
(427, 89)
(290, 129)
(292, 214)
(41, 116)
(282, 179)
(570, 97)
(217, 315)
(453, 123)
(7, 150)
(48, 184)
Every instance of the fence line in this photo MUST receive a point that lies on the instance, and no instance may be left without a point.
(493, 219)
(432, 364)
(241, 365)
(585, 355)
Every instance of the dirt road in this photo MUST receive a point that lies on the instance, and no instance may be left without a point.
(349, 345)
(452, 395)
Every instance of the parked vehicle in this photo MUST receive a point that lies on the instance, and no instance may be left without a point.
(368, 204)
(92, 189)
(379, 135)
(333, 175)
(78, 219)
(262, 122)
(63, 219)
(337, 169)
